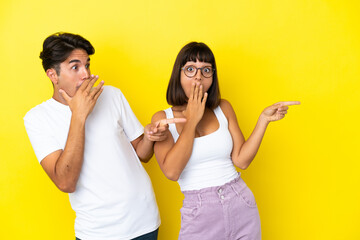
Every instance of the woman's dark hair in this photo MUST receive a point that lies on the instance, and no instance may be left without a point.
(58, 47)
(193, 51)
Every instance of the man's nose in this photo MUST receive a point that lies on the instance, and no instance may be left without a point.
(85, 74)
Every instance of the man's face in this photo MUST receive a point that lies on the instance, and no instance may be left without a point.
(73, 72)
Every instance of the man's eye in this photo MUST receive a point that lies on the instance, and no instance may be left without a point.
(87, 65)
(74, 67)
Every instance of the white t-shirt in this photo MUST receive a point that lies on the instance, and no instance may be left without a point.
(114, 198)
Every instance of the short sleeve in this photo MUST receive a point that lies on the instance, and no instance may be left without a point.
(131, 125)
(40, 135)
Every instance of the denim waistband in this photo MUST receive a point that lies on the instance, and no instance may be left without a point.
(215, 193)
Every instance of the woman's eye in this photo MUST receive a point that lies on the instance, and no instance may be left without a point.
(190, 69)
(87, 65)
(207, 70)
(74, 67)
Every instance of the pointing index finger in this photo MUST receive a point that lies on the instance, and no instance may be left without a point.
(289, 103)
(164, 122)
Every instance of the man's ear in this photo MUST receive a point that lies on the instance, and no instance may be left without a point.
(51, 73)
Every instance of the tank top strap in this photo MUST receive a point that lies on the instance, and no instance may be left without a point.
(172, 128)
(223, 122)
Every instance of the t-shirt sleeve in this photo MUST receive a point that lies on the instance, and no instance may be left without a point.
(131, 125)
(40, 135)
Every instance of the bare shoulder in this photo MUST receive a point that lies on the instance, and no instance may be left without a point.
(225, 103)
(226, 108)
(158, 116)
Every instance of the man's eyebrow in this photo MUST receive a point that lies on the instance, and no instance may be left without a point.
(74, 60)
(77, 60)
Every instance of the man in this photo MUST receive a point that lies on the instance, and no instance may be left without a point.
(88, 141)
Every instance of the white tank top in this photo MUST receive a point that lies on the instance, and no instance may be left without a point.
(210, 162)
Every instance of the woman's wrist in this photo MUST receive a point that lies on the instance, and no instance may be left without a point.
(263, 119)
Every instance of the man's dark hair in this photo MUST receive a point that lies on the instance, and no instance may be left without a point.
(58, 47)
(192, 51)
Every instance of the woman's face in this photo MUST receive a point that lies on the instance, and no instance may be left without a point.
(192, 68)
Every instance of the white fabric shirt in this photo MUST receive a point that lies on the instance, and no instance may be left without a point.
(210, 162)
(114, 198)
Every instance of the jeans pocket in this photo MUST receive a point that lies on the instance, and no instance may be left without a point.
(248, 197)
(189, 221)
(188, 213)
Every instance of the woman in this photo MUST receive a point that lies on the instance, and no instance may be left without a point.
(201, 153)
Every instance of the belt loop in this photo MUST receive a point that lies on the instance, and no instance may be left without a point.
(233, 188)
(199, 198)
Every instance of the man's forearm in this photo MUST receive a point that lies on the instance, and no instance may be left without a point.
(68, 166)
(145, 149)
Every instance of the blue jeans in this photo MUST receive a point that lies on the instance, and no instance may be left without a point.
(148, 236)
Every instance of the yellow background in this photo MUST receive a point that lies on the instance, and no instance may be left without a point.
(306, 175)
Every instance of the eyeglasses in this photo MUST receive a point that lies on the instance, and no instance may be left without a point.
(190, 71)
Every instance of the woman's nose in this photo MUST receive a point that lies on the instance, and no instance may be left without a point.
(198, 75)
